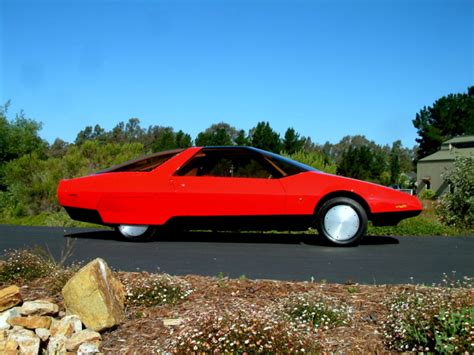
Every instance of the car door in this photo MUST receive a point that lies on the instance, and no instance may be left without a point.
(228, 182)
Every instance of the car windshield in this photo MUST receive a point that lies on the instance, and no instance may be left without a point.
(289, 166)
(144, 164)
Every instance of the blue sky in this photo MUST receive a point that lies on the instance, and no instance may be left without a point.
(326, 68)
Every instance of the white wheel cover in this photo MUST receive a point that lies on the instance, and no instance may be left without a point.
(132, 231)
(341, 223)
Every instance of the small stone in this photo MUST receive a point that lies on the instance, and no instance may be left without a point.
(27, 340)
(56, 345)
(171, 322)
(9, 297)
(42, 333)
(66, 326)
(87, 349)
(5, 316)
(31, 322)
(39, 308)
(84, 336)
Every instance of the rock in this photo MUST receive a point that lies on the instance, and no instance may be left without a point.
(87, 349)
(31, 322)
(42, 333)
(9, 297)
(39, 308)
(27, 340)
(57, 345)
(84, 336)
(170, 322)
(95, 295)
(5, 316)
(66, 326)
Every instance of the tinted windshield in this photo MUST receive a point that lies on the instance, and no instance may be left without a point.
(144, 164)
(289, 166)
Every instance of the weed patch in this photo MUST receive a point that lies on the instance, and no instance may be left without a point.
(431, 320)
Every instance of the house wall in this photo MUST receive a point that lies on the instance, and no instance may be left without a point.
(433, 169)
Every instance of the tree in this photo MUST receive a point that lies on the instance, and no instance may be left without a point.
(395, 162)
(241, 139)
(264, 137)
(218, 134)
(456, 208)
(364, 163)
(292, 142)
(183, 140)
(450, 116)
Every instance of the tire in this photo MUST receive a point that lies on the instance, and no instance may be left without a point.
(135, 233)
(342, 221)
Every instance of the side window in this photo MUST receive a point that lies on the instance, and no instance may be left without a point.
(228, 163)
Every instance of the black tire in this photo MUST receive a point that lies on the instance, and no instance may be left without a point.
(146, 235)
(342, 221)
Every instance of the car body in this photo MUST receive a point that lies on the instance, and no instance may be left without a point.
(224, 188)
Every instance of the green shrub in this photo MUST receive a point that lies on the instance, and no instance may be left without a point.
(426, 194)
(318, 312)
(152, 290)
(315, 159)
(431, 320)
(26, 264)
(456, 208)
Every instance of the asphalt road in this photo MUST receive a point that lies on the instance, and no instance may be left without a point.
(379, 260)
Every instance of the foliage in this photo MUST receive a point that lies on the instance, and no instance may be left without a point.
(155, 289)
(394, 162)
(220, 134)
(292, 142)
(364, 163)
(239, 331)
(315, 159)
(450, 116)
(431, 320)
(264, 137)
(456, 208)
(25, 265)
(316, 311)
(427, 194)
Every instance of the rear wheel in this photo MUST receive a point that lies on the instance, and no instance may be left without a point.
(135, 233)
(342, 221)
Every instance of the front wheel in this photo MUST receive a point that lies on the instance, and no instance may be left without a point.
(342, 221)
(135, 233)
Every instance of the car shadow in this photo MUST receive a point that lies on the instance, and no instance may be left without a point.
(231, 237)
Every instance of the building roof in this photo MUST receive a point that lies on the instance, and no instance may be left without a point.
(461, 139)
(448, 154)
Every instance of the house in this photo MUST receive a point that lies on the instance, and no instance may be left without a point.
(430, 168)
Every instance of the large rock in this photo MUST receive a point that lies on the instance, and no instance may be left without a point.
(95, 295)
(27, 340)
(9, 297)
(57, 345)
(39, 308)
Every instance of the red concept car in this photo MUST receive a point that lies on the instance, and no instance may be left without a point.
(231, 188)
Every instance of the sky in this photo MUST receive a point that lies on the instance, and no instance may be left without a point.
(326, 68)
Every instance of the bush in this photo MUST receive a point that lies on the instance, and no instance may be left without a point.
(26, 265)
(456, 208)
(426, 194)
(315, 159)
(239, 331)
(431, 320)
(152, 290)
(316, 311)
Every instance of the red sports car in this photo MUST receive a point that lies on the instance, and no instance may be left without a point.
(228, 188)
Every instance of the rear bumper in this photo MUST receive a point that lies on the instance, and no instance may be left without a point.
(84, 215)
(391, 218)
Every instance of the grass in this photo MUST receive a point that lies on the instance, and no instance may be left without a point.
(49, 219)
